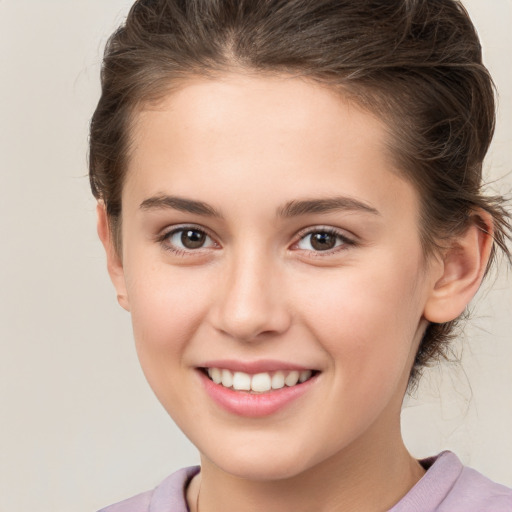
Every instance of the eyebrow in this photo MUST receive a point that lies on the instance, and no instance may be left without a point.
(181, 204)
(326, 205)
(293, 208)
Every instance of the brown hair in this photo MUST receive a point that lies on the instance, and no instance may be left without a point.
(416, 63)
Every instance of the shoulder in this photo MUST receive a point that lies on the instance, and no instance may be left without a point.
(169, 496)
(474, 492)
(448, 486)
(139, 503)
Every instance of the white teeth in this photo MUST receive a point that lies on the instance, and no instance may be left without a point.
(241, 381)
(278, 380)
(227, 378)
(215, 374)
(292, 378)
(305, 375)
(260, 382)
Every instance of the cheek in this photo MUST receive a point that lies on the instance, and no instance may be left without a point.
(165, 304)
(367, 324)
(367, 320)
(166, 310)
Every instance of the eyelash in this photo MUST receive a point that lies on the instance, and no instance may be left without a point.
(346, 242)
(163, 239)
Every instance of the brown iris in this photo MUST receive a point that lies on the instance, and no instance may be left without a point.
(192, 238)
(323, 241)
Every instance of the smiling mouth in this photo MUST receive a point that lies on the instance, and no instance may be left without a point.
(260, 382)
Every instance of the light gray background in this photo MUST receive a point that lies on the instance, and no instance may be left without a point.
(79, 427)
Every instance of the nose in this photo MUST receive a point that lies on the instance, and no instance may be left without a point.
(251, 305)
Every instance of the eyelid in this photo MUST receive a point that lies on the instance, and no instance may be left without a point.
(347, 239)
(164, 234)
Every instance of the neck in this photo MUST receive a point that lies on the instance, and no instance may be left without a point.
(371, 479)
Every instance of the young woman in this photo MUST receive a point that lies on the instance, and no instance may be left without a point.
(289, 196)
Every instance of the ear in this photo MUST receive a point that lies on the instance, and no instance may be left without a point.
(114, 262)
(463, 266)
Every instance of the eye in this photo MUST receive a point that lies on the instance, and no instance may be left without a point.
(187, 239)
(323, 240)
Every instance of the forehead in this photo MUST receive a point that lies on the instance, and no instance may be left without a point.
(242, 132)
(247, 103)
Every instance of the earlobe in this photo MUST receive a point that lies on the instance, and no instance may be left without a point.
(463, 267)
(114, 263)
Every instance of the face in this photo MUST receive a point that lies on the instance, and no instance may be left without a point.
(270, 246)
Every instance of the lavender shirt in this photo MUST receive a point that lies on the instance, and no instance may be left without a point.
(447, 486)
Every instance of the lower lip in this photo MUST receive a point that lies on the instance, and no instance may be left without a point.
(254, 405)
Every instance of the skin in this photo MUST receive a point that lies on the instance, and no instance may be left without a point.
(246, 146)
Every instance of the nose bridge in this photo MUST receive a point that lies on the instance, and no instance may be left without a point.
(252, 302)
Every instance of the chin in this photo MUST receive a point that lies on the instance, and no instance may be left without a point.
(257, 464)
(270, 470)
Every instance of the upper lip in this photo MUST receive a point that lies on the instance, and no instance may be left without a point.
(254, 367)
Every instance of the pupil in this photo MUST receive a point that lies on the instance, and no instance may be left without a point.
(323, 241)
(192, 239)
